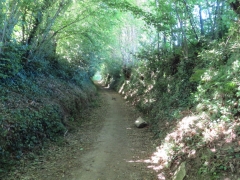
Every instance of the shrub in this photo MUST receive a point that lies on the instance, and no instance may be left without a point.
(10, 60)
(24, 129)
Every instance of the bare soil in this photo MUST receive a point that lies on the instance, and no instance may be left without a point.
(107, 146)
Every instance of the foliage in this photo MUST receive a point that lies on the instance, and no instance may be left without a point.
(178, 55)
(33, 76)
(30, 128)
(36, 110)
(218, 89)
(182, 56)
(188, 61)
(10, 60)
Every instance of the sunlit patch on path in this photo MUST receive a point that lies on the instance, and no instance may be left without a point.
(190, 135)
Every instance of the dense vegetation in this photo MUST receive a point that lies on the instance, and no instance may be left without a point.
(186, 65)
(169, 58)
(48, 52)
(187, 49)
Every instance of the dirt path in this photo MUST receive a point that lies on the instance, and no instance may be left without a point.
(115, 150)
(108, 147)
(117, 145)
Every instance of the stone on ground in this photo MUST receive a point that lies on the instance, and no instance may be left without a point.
(140, 123)
(180, 173)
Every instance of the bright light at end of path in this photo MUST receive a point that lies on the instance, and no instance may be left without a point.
(97, 76)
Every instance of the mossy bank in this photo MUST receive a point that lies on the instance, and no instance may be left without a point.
(36, 110)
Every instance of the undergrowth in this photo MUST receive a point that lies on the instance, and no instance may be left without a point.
(40, 106)
(193, 104)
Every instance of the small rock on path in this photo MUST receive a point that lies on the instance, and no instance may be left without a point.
(120, 146)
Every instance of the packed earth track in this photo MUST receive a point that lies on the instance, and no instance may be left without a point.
(107, 146)
(119, 146)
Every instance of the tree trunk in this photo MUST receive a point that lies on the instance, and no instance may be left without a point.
(33, 32)
(211, 28)
(184, 38)
(10, 20)
(190, 19)
(201, 20)
(216, 21)
(236, 6)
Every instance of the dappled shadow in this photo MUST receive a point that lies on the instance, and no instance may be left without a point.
(209, 148)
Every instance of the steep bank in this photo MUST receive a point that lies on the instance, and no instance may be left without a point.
(38, 110)
(199, 126)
